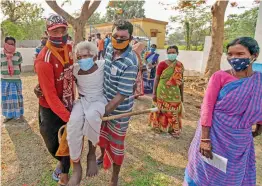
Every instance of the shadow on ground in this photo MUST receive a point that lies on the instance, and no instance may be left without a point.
(27, 151)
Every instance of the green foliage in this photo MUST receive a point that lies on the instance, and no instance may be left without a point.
(96, 18)
(193, 48)
(20, 11)
(241, 25)
(195, 24)
(11, 29)
(125, 9)
(23, 20)
(176, 38)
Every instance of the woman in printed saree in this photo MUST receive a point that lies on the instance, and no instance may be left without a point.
(151, 61)
(138, 48)
(11, 84)
(168, 95)
(232, 104)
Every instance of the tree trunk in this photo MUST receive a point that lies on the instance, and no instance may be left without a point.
(77, 23)
(187, 36)
(79, 29)
(216, 51)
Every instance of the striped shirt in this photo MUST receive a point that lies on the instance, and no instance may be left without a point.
(119, 77)
(17, 60)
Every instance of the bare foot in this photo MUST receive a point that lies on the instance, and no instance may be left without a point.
(63, 179)
(20, 119)
(92, 168)
(76, 176)
(175, 134)
(7, 119)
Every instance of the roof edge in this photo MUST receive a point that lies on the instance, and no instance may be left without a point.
(134, 20)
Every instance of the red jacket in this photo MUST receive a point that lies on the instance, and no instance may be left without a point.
(50, 77)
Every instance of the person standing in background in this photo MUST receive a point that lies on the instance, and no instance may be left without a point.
(41, 46)
(94, 40)
(106, 42)
(168, 95)
(11, 84)
(70, 41)
(151, 60)
(138, 48)
(100, 44)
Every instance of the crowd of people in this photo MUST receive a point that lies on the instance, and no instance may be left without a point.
(110, 74)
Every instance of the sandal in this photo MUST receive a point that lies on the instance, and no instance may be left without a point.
(99, 162)
(56, 173)
(175, 134)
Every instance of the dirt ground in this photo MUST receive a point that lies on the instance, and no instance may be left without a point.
(151, 159)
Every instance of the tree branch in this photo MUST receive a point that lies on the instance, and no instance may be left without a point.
(60, 11)
(85, 8)
(87, 11)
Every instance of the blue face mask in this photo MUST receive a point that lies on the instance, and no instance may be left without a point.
(172, 57)
(239, 64)
(152, 49)
(86, 63)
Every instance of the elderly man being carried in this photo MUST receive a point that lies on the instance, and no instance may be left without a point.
(85, 118)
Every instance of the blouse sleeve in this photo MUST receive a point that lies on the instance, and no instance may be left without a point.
(210, 99)
(160, 68)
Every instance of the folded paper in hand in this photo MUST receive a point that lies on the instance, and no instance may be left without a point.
(218, 161)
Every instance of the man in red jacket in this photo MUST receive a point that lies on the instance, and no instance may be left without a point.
(54, 66)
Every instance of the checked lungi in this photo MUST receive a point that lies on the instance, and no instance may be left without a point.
(12, 99)
(112, 138)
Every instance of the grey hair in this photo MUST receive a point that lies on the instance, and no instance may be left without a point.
(86, 45)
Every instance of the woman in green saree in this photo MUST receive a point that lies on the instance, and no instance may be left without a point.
(168, 95)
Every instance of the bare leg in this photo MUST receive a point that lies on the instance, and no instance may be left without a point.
(59, 165)
(115, 174)
(101, 157)
(65, 164)
(63, 179)
(92, 168)
(77, 174)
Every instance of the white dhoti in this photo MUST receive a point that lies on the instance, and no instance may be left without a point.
(85, 120)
